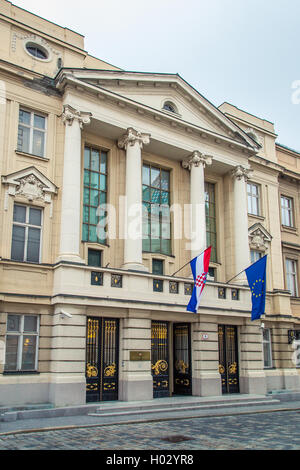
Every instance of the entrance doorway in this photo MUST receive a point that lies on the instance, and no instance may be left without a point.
(182, 359)
(102, 353)
(228, 358)
(160, 358)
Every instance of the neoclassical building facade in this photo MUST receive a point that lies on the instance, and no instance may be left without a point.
(111, 182)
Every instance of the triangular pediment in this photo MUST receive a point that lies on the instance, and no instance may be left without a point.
(31, 184)
(153, 91)
(259, 237)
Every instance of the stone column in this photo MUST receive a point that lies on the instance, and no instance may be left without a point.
(196, 164)
(133, 142)
(70, 232)
(240, 176)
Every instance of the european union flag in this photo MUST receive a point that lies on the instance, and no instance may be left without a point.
(256, 275)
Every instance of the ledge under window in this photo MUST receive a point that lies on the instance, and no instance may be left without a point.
(31, 155)
(21, 372)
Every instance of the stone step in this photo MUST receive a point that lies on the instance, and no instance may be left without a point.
(182, 403)
(131, 411)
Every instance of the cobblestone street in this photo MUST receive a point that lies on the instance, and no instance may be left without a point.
(261, 431)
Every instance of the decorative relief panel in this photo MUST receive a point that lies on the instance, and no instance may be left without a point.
(29, 184)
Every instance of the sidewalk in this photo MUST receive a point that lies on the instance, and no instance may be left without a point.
(35, 418)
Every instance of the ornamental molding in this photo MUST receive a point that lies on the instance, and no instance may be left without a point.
(29, 184)
(196, 159)
(25, 38)
(132, 137)
(259, 237)
(240, 172)
(253, 134)
(70, 114)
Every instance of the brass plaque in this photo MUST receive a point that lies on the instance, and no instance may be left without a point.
(140, 355)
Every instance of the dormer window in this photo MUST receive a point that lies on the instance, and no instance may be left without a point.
(170, 107)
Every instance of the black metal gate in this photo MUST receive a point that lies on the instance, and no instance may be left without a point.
(182, 359)
(160, 359)
(102, 353)
(228, 359)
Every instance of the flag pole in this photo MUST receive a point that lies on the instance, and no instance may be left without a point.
(188, 262)
(180, 268)
(243, 270)
(235, 277)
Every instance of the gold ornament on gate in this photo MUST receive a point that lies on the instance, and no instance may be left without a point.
(232, 368)
(160, 366)
(91, 371)
(181, 366)
(110, 371)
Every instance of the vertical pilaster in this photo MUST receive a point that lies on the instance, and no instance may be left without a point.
(252, 374)
(136, 381)
(133, 142)
(205, 357)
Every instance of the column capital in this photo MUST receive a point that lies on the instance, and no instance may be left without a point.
(241, 172)
(132, 137)
(70, 114)
(196, 159)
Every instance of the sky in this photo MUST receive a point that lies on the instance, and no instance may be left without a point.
(245, 52)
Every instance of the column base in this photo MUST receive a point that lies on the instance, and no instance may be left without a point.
(70, 258)
(135, 267)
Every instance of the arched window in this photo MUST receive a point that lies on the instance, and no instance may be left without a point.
(169, 106)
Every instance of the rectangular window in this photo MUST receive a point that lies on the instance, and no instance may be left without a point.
(253, 199)
(210, 213)
(255, 255)
(287, 211)
(21, 352)
(156, 210)
(94, 258)
(291, 276)
(26, 234)
(31, 133)
(157, 266)
(267, 347)
(94, 195)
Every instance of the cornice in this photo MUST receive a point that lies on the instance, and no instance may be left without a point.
(65, 80)
(250, 124)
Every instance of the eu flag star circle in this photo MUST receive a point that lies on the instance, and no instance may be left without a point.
(257, 288)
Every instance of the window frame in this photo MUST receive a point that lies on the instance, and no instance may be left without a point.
(20, 343)
(293, 274)
(287, 211)
(162, 265)
(32, 128)
(88, 186)
(252, 197)
(151, 218)
(256, 252)
(211, 206)
(268, 343)
(27, 225)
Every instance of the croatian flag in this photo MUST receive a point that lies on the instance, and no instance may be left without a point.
(199, 266)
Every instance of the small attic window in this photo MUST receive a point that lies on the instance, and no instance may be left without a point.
(169, 106)
(37, 51)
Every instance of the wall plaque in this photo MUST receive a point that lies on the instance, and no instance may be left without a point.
(140, 355)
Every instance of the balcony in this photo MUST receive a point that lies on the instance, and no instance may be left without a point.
(120, 288)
